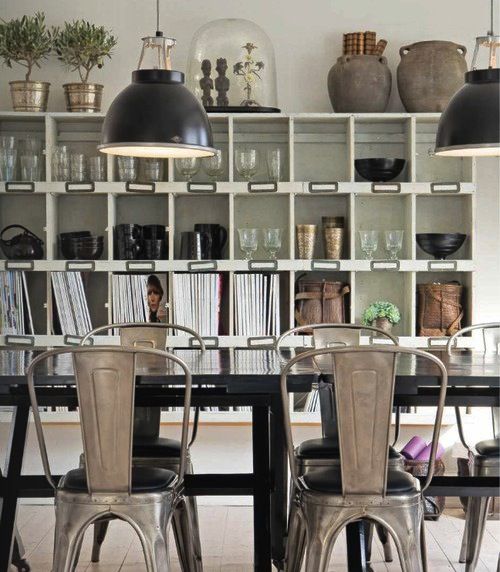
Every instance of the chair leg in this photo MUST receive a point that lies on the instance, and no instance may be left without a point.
(368, 539)
(182, 523)
(100, 530)
(477, 513)
(463, 547)
(384, 538)
(195, 522)
(296, 540)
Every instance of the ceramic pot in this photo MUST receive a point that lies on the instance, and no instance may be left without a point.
(83, 96)
(383, 324)
(29, 95)
(429, 74)
(360, 84)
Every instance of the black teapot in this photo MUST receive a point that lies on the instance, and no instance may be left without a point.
(23, 246)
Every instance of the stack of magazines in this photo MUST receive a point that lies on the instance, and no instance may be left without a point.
(71, 303)
(130, 298)
(197, 299)
(257, 304)
(15, 311)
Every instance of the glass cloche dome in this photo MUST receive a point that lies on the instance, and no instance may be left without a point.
(231, 67)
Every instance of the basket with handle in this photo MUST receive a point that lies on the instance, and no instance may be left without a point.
(440, 309)
(319, 302)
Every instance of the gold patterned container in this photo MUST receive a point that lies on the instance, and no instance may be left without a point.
(306, 237)
(29, 95)
(83, 96)
(333, 241)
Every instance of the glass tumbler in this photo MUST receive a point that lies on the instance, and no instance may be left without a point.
(214, 166)
(369, 242)
(306, 238)
(248, 241)
(8, 160)
(60, 163)
(152, 170)
(246, 162)
(275, 164)
(127, 169)
(97, 168)
(78, 168)
(30, 167)
(393, 242)
(187, 167)
(272, 241)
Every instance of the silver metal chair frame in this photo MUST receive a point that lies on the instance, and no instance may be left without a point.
(105, 382)
(147, 424)
(363, 496)
(477, 507)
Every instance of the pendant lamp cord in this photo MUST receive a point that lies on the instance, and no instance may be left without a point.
(491, 32)
(158, 32)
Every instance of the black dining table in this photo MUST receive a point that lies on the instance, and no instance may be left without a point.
(238, 378)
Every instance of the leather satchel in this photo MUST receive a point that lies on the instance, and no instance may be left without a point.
(320, 302)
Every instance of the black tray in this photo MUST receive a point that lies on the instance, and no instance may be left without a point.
(241, 109)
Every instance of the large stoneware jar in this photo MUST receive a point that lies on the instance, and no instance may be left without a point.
(429, 73)
(360, 84)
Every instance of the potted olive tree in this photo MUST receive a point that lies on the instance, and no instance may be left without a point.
(82, 46)
(26, 41)
(382, 315)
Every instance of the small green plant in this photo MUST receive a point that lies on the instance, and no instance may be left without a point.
(381, 309)
(25, 41)
(82, 46)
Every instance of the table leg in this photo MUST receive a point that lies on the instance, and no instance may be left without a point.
(14, 463)
(279, 475)
(356, 555)
(262, 490)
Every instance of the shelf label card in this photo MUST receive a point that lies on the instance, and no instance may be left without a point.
(443, 188)
(19, 265)
(80, 265)
(261, 341)
(70, 340)
(325, 265)
(210, 342)
(323, 187)
(392, 265)
(202, 188)
(437, 342)
(202, 265)
(131, 187)
(271, 187)
(79, 187)
(262, 265)
(146, 266)
(386, 187)
(442, 265)
(13, 340)
(381, 341)
(20, 187)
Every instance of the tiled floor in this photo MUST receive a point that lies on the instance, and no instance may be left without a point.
(227, 543)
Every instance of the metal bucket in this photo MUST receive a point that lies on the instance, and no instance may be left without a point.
(29, 95)
(83, 96)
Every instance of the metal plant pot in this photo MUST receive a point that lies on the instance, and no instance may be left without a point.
(383, 324)
(83, 96)
(29, 95)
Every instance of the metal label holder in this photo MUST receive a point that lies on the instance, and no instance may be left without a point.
(271, 187)
(437, 342)
(445, 188)
(323, 187)
(19, 265)
(202, 265)
(210, 342)
(15, 340)
(442, 265)
(262, 265)
(79, 187)
(138, 187)
(70, 340)
(387, 265)
(80, 266)
(390, 188)
(261, 341)
(137, 266)
(20, 187)
(380, 341)
(333, 265)
(202, 188)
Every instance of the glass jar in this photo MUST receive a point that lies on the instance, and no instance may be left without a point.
(231, 67)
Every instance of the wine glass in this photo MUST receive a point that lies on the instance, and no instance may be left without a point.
(393, 242)
(369, 242)
(248, 241)
(246, 161)
(187, 167)
(274, 164)
(272, 241)
(214, 165)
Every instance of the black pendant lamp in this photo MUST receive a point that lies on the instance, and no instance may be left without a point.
(156, 115)
(470, 125)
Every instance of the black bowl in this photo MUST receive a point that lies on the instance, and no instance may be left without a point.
(379, 170)
(440, 245)
(75, 234)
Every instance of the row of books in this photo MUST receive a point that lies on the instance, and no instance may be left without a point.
(15, 310)
(129, 298)
(257, 304)
(71, 303)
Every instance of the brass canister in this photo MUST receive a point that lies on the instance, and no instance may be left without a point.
(333, 241)
(306, 238)
(29, 95)
(83, 96)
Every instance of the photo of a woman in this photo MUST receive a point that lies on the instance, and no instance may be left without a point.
(157, 311)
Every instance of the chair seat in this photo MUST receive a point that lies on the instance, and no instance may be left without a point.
(489, 447)
(327, 448)
(159, 447)
(144, 479)
(329, 481)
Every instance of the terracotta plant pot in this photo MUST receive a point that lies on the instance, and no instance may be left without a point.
(360, 84)
(429, 74)
(83, 96)
(29, 95)
(383, 324)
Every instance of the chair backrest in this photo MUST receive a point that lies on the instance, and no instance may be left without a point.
(105, 382)
(482, 327)
(364, 389)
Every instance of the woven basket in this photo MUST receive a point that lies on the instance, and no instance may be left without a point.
(320, 302)
(433, 506)
(440, 309)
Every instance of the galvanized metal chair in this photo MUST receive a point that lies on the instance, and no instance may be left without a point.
(324, 452)
(485, 461)
(145, 497)
(149, 448)
(364, 486)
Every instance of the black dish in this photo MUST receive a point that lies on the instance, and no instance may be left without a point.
(241, 109)
(440, 245)
(82, 247)
(379, 170)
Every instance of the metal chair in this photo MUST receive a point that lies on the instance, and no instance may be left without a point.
(145, 497)
(324, 452)
(149, 448)
(485, 461)
(364, 486)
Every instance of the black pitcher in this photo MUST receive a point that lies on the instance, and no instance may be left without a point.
(195, 245)
(218, 234)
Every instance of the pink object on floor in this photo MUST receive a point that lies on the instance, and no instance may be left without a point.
(426, 452)
(413, 447)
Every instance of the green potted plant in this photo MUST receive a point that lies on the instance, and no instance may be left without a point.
(82, 46)
(382, 314)
(26, 41)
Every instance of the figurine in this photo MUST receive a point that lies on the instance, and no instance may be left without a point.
(222, 83)
(248, 71)
(206, 84)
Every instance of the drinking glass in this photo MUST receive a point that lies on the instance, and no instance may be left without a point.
(152, 169)
(274, 164)
(393, 242)
(306, 239)
(246, 161)
(30, 167)
(127, 169)
(248, 241)
(272, 241)
(214, 166)
(8, 159)
(78, 166)
(369, 242)
(31, 146)
(97, 168)
(60, 163)
(7, 142)
(187, 167)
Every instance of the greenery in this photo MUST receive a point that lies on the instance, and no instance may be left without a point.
(82, 46)
(381, 309)
(25, 41)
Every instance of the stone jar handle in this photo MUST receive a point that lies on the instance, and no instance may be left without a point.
(461, 49)
(382, 60)
(403, 50)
